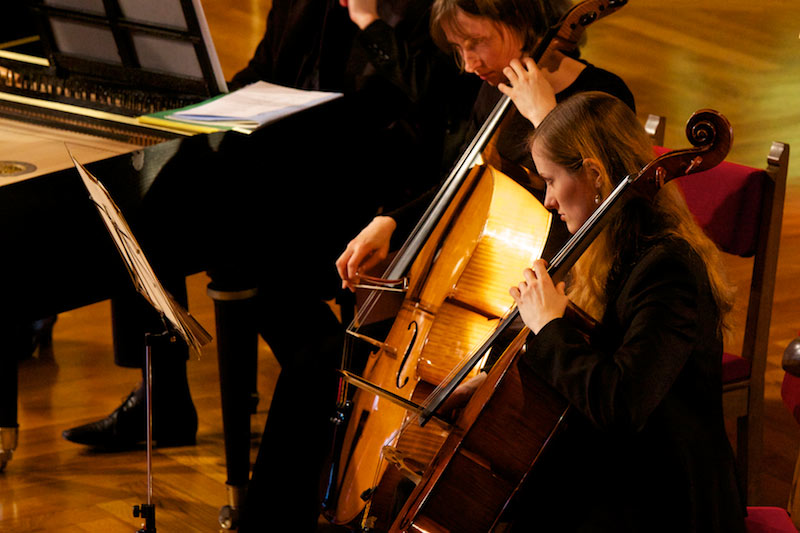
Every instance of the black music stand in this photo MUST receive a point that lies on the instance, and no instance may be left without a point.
(177, 320)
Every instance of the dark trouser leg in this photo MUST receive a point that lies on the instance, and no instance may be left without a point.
(284, 491)
(8, 402)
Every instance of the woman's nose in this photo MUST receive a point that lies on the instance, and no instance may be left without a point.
(549, 201)
(470, 61)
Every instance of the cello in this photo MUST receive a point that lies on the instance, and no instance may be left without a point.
(480, 215)
(514, 415)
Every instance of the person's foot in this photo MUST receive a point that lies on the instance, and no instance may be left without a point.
(173, 425)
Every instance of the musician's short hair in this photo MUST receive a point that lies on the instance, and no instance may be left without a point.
(530, 19)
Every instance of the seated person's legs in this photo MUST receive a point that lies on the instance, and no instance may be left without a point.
(306, 339)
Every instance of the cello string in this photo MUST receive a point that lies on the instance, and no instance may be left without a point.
(461, 365)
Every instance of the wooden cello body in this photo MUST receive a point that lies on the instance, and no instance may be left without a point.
(490, 452)
(511, 419)
(480, 250)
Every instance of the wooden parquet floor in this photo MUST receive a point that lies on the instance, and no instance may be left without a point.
(734, 56)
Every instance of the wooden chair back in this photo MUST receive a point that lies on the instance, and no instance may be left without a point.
(741, 209)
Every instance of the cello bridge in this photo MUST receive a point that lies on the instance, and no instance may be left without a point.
(407, 466)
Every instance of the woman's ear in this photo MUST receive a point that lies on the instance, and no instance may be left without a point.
(594, 171)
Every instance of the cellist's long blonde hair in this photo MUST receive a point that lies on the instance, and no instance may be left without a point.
(601, 127)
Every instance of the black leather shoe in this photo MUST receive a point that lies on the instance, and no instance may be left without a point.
(125, 428)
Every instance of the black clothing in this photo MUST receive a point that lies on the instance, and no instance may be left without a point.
(379, 145)
(382, 144)
(306, 46)
(646, 448)
(402, 95)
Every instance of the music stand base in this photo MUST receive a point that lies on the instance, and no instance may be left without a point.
(148, 512)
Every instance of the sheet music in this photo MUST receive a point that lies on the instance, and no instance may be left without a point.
(144, 279)
(253, 106)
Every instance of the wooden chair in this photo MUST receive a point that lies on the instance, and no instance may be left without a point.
(741, 209)
(778, 519)
(790, 393)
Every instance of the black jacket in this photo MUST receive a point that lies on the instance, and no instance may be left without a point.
(646, 448)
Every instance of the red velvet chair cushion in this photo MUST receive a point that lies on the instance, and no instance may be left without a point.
(726, 201)
(768, 520)
(790, 392)
(734, 368)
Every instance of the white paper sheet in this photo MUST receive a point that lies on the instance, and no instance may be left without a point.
(254, 106)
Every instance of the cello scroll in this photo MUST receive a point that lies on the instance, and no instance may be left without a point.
(711, 135)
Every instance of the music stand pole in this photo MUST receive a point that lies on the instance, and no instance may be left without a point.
(148, 510)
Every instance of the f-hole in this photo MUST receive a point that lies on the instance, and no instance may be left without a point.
(405, 356)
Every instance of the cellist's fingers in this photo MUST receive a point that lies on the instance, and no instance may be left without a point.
(348, 263)
(341, 266)
(367, 249)
(515, 294)
(353, 267)
(513, 71)
(528, 65)
(538, 271)
(561, 288)
(372, 259)
(529, 89)
(523, 288)
(529, 275)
